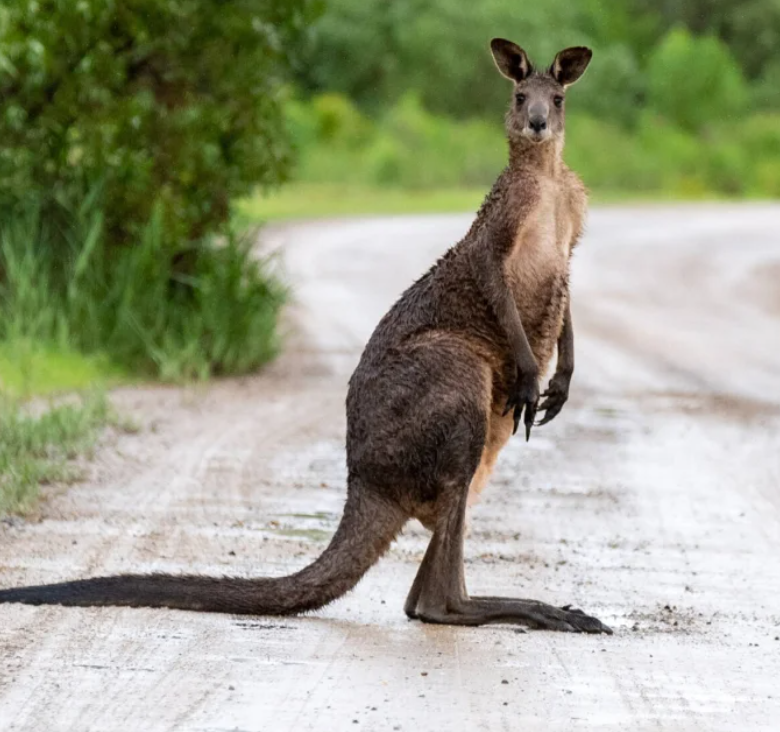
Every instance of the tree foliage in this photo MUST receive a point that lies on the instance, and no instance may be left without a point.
(750, 28)
(161, 101)
(377, 51)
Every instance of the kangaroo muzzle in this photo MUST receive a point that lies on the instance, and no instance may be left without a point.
(538, 117)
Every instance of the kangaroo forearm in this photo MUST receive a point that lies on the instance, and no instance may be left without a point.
(488, 272)
(510, 321)
(566, 345)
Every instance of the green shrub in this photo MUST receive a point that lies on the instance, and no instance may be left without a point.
(210, 308)
(613, 87)
(766, 91)
(694, 81)
(407, 147)
(172, 101)
(606, 156)
(759, 138)
(750, 28)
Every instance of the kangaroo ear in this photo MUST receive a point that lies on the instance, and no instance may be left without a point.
(511, 60)
(570, 64)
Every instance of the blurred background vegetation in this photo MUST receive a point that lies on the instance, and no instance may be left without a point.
(681, 100)
(130, 130)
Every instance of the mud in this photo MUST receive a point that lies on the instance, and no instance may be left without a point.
(652, 501)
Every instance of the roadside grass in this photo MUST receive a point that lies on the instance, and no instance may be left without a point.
(29, 369)
(157, 308)
(322, 200)
(39, 439)
(38, 448)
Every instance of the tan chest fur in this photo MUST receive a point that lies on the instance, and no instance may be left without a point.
(544, 240)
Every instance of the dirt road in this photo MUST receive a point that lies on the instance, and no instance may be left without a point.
(653, 502)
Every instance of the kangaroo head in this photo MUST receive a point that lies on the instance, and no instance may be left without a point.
(537, 111)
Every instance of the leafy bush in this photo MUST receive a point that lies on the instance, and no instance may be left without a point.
(211, 308)
(171, 102)
(408, 147)
(613, 88)
(694, 81)
(750, 28)
(760, 138)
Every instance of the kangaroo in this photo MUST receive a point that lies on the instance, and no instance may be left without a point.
(444, 381)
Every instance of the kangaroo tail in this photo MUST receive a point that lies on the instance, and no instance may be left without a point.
(366, 530)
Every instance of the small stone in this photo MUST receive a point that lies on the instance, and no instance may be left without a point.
(504, 681)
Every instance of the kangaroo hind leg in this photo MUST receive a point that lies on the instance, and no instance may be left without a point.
(440, 596)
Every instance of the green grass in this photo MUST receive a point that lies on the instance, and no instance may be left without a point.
(29, 368)
(313, 200)
(37, 449)
(158, 308)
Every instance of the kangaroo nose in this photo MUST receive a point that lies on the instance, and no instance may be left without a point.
(537, 124)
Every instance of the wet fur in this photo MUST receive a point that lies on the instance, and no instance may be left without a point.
(440, 353)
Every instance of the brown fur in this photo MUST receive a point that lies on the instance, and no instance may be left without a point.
(439, 389)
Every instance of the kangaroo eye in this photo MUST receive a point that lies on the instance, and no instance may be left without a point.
(558, 100)
(520, 98)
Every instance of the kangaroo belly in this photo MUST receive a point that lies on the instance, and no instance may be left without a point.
(541, 294)
(545, 321)
(537, 271)
(498, 433)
